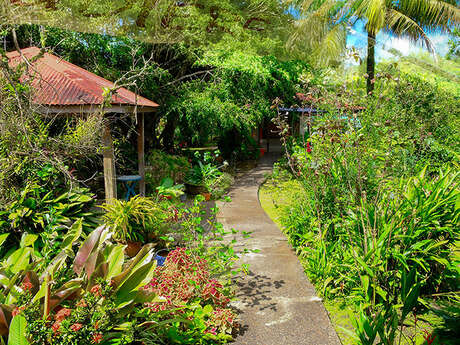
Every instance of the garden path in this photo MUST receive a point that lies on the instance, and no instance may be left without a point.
(277, 302)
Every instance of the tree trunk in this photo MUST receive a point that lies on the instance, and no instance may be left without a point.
(168, 132)
(370, 62)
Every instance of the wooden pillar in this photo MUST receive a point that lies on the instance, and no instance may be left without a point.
(140, 152)
(110, 176)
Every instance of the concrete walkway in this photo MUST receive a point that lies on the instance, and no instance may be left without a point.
(277, 302)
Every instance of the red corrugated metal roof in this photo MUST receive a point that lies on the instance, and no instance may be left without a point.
(59, 83)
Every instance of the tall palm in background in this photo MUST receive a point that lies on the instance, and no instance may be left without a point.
(325, 22)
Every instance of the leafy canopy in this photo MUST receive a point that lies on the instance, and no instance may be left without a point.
(193, 22)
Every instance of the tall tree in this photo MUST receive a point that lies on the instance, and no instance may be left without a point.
(325, 21)
(412, 19)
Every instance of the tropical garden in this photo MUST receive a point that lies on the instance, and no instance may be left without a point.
(367, 191)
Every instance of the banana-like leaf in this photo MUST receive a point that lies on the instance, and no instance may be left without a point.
(99, 272)
(135, 280)
(5, 318)
(115, 260)
(86, 249)
(145, 255)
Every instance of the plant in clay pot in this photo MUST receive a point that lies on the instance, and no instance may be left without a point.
(136, 221)
(201, 179)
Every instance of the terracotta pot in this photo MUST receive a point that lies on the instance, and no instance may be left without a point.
(207, 196)
(133, 248)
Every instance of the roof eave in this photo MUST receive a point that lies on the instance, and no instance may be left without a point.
(93, 109)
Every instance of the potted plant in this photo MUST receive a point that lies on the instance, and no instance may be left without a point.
(201, 179)
(167, 189)
(194, 180)
(135, 222)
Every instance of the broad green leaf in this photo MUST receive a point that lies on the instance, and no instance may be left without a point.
(17, 333)
(19, 260)
(3, 238)
(28, 239)
(72, 235)
(86, 249)
(115, 260)
(145, 255)
(137, 279)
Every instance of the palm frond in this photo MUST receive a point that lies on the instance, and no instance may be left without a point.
(374, 11)
(332, 46)
(430, 13)
(402, 25)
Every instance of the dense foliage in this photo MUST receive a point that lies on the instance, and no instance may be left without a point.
(376, 220)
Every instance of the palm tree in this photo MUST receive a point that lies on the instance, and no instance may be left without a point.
(403, 18)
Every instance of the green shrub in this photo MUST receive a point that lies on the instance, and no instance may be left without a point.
(161, 165)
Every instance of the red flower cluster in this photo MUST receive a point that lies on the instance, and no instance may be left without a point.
(27, 286)
(18, 310)
(96, 290)
(76, 327)
(60, 316)
(97, 338)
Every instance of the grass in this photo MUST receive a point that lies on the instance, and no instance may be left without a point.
(276, 196)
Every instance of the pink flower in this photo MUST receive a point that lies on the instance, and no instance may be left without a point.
(97, 338)
(62, 314)
(55, 327)
(76, 327)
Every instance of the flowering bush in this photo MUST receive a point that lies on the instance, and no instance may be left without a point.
(189, 293)
(86, 320)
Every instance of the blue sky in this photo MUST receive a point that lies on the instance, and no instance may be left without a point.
(358, 38)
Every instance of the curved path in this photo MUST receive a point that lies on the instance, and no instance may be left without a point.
(278, 304)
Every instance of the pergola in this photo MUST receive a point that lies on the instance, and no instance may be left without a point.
(62, 88)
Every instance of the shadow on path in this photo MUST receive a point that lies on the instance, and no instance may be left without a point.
(278, 304)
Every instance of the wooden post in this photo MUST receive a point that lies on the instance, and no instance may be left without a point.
(140, 152)
(109, 164)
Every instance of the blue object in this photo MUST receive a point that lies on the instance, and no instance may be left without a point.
(130, 182)
(160, 260)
